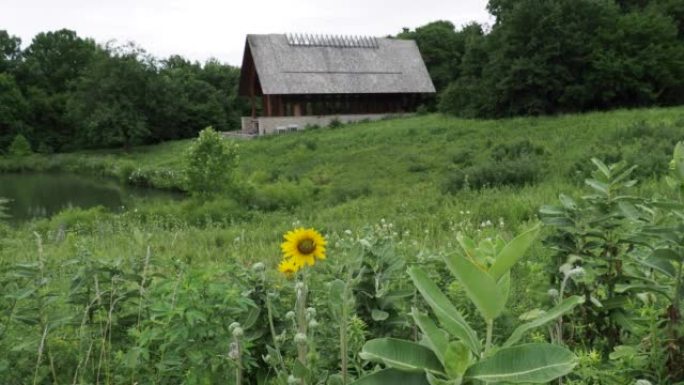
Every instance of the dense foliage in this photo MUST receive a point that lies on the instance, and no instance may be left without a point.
(65, 92)
(189, 291)
(210, 163)
(557, 56)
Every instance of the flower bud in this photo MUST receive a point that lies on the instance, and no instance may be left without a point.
(258, 267)
(290, 315)
(238, 332)
(300, 338)
(292, 380)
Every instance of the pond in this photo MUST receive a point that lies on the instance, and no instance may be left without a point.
(37, 195)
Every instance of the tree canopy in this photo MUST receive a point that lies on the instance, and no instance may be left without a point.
(557, 56)
(64, 92)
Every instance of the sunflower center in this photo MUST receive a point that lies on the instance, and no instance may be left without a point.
(306, 246)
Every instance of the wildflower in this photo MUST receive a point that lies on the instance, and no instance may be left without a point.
(303, 246)
(288, 267)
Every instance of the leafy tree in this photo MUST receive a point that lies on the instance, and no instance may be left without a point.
(551, 56)
(210, 163)
(110, 100)
(50, 67)
(13, 109)
(20, 146)
(441, 49)
(10, 51)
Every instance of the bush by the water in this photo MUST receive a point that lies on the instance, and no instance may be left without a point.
(210, 163)
(19, 146)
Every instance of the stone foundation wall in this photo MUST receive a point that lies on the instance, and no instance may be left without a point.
(276, 124)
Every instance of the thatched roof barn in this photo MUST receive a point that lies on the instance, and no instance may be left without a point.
(304, 75)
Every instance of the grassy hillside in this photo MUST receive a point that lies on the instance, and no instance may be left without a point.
(400, 189)
(420, 173)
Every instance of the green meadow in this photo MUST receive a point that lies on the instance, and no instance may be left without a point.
(149, 295)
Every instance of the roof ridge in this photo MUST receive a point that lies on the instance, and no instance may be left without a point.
(338, 41)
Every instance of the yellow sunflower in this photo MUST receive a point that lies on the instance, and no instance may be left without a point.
(288, 267)
(303, 246)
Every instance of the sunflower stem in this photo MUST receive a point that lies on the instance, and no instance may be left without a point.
(302, 324)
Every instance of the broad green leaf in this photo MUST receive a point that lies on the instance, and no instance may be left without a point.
(478, 284)
(379, 315)
(434, 380)
(512, 252)
(624, 175)
(667, 254)
(567, 305)
(458, 359)
(252, 317)
(551, 210)
(402, 355)
(598, 186)
(450, 318)
(504, 286)
(394, 377)
(467, 244)
(601, 166)
(300, 371)
(536, 363)
(662, 265)
(435, 338)
(640, 287)
(567, 202)
(629, 210)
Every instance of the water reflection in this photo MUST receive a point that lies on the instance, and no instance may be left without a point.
(37, 195)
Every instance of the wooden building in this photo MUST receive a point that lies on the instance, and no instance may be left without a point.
(297, 76)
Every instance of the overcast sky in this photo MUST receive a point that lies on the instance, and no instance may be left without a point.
(200, 29)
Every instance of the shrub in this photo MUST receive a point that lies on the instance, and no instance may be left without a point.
(281, 195)
(463, 157)
(343, 193)
(20, 146)
(516, 150)
(310, 144)
(515, 173)
(210, 163)
(335, 123)
(422, 110)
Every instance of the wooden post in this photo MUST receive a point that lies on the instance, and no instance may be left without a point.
(268, 105)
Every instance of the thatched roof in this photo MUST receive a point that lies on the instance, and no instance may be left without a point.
(287, 64)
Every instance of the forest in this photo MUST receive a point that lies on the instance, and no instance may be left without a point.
(64, 92)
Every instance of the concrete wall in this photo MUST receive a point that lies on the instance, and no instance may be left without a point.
(270, 125)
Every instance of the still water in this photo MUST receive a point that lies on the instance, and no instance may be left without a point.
(36, 195)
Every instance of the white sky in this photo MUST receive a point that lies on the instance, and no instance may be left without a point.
(200, 29)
